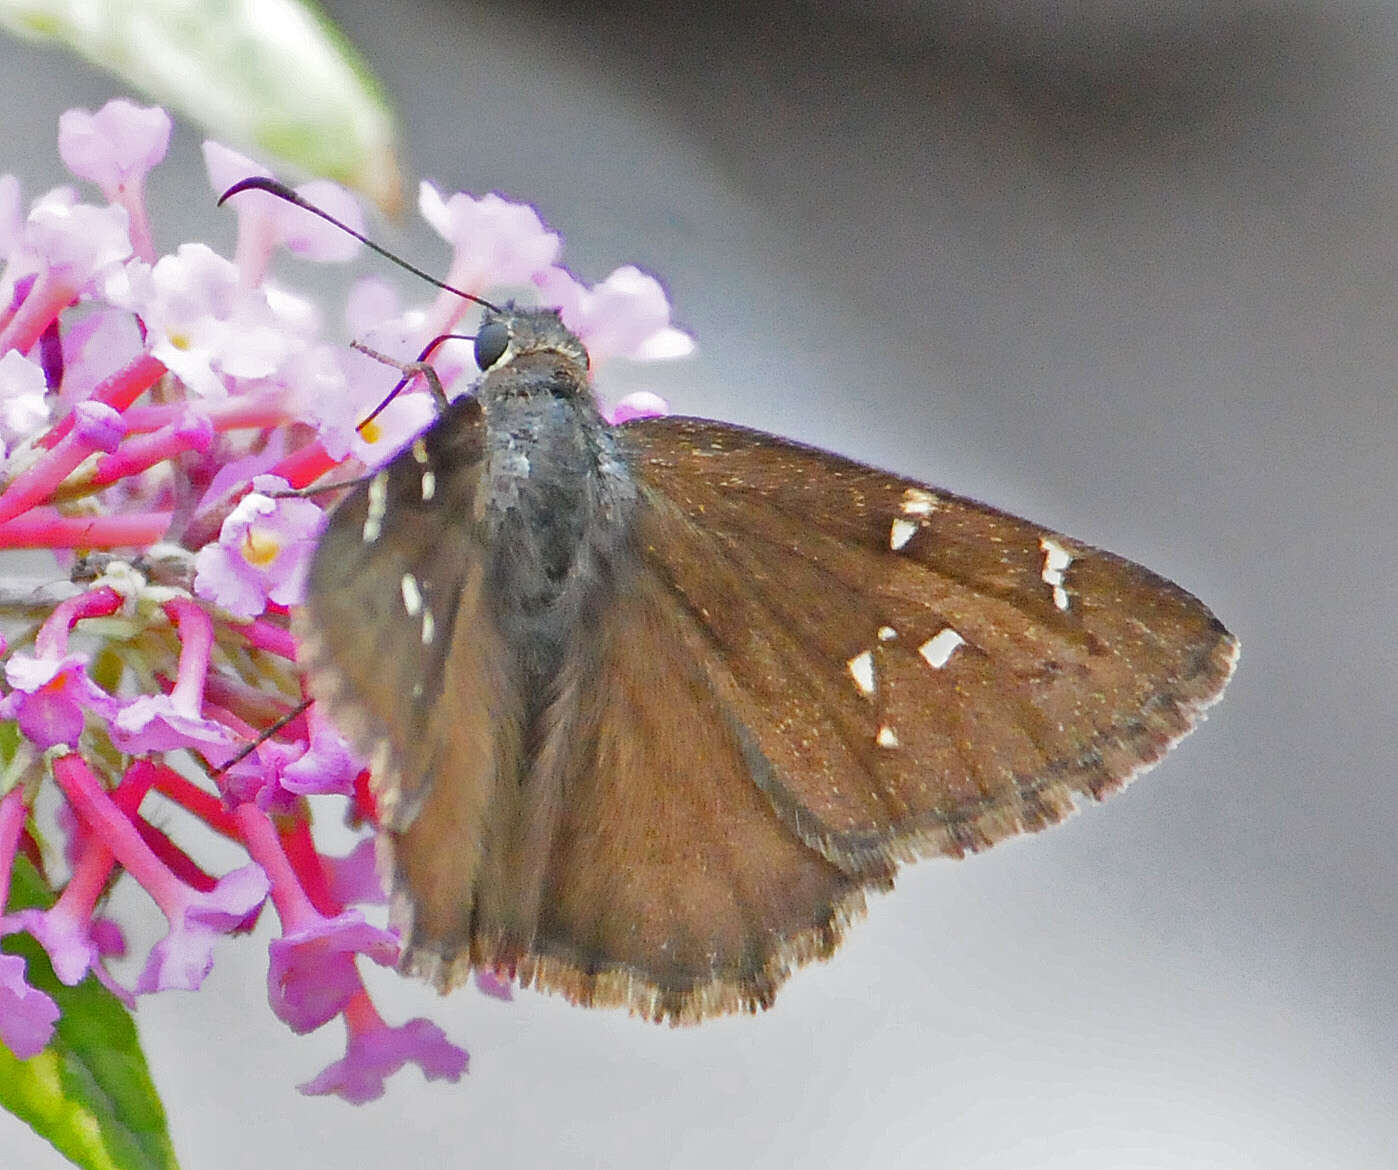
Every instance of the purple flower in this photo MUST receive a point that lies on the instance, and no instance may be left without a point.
(312, 976)
(266, 222)
(641, 404)
(276, 774)
(263, 551)
(205, 325)
(185, 955)
(98, 424)
(51, 697)
(488, 983)
(24, 407)
(166, 723)
(376, 1051)
(378, 441)
(77, 240)
(105, 340)
(627, 315)
(334, 391)
(65, 936)
(327, 766)
(164, 384)
(162, 723)
(115, 147)
(495, 241)
(354, 877)
(27, 1015)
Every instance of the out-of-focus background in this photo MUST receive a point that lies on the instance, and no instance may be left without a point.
(1126, 268)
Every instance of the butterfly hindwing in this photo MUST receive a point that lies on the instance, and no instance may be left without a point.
(671, 886)
(918, 673)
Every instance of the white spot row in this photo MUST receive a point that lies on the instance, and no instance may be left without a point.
(378, 505)
(936, 652)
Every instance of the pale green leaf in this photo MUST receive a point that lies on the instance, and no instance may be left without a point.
(273, 76)
(90, 1092)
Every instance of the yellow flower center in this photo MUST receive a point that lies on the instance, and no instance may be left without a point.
(260, 548)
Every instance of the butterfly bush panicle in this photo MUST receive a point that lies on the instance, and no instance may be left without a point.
(159, 406)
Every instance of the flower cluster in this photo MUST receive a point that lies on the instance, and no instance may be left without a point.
(154, 411)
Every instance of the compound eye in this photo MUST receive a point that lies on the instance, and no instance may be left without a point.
(491, 342)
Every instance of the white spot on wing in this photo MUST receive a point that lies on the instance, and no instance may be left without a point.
(887, 633)
(886, 738)
(420, 450)
(429, 485)
(861, 667)
(412, 595)
(429, 627)
(917, 502)
(1056, 561)
(939, 648)
(378, 504)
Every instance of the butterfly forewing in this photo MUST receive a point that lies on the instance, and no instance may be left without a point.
(919, 673)
(394, 645)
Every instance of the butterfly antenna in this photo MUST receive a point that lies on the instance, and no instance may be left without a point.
(410, 371)
(285, 193)
(263, 737)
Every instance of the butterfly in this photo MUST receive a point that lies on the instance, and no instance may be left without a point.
(652, 708)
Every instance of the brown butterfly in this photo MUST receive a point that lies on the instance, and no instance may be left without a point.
(651, 707)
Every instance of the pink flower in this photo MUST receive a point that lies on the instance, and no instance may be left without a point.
(627, 315)
(276, 774)
(185, 955)
(23, 405)
(78, 240)
(263, 551)
(312, 976)
(326, 767)
(494, 241)
(51, 698)
(641, 404)
(205, 325)
(116, 148)
(355, 878)
(375, 1051)
(27, 1016)
(162, 723)
(266, 222)
(139, 395)
(99, 425)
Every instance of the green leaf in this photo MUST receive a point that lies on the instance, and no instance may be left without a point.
(90, 1092)
(274, 76)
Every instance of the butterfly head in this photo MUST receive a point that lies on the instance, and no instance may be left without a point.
(521, 338)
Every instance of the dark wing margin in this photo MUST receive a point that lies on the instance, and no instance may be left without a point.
(916, 673)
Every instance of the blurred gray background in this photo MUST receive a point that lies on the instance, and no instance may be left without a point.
(1126, 268)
